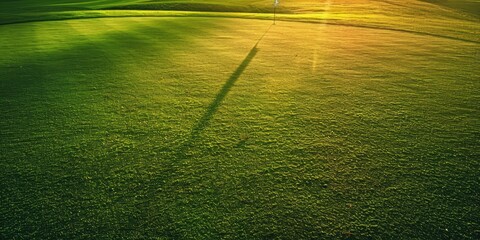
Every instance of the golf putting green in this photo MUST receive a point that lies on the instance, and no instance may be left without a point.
(136, 124)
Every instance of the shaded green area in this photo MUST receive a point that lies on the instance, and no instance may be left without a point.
(30, 10)
(469, 6)
(22, 6)
(208, 6)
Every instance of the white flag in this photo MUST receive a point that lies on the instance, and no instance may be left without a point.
(276, 3)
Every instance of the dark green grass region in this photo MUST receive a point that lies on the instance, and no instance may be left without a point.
(69, 112)
(468, 6)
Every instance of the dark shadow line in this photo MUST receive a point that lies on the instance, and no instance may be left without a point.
(213, 107)
(181, 152)
(204, 121)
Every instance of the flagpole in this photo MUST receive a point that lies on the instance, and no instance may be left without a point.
(275, 3)
(274, 13)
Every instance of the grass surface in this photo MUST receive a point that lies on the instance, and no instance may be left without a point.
(202, 125)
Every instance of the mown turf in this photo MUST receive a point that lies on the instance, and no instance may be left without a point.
(218, 128)
(419, 17)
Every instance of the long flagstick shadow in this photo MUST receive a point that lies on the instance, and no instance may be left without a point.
(181, 152)
(215, 104)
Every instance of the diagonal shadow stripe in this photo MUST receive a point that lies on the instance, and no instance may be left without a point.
(213, 107)
(204, 121)
(181, 152)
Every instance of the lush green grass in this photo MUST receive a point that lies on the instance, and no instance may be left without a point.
(199, 126)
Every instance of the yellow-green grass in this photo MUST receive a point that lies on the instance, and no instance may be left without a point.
(201, 125)
(181, 128)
